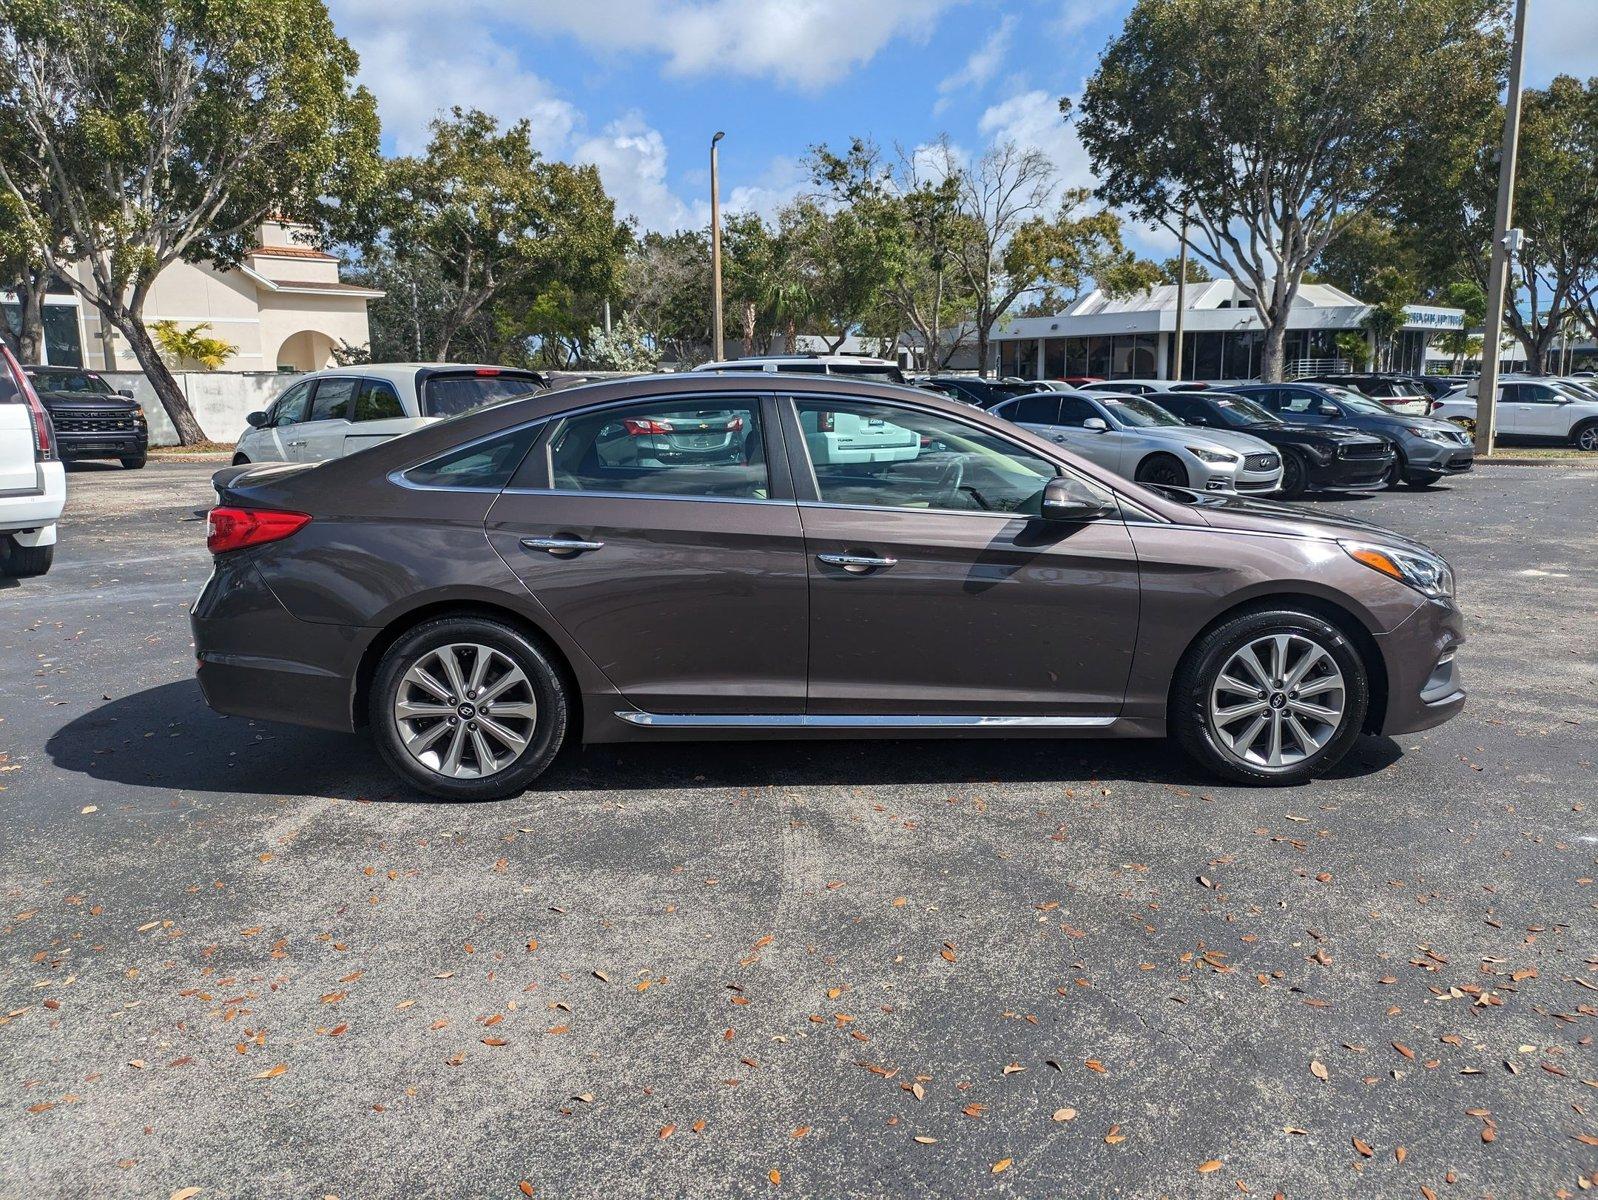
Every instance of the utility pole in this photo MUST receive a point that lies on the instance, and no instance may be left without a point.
(1175, 372)
(1498, 275)
(718, 352)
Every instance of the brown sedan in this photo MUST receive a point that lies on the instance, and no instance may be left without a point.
(702, 556)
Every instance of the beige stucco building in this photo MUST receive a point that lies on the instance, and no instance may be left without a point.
(284, 308)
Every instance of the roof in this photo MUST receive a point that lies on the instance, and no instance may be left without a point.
(294, 252)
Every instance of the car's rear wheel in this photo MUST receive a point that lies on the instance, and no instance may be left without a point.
(1586, 437)
(468, 708)
(1162, 469)
(1271, 697)
(24, 562)
(134, 462)
(1295, 476)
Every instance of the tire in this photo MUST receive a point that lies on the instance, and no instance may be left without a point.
(1585, 437)
(1295, 476)
(541, 722)
(135, 463)
(26, 562)
(1419, 483)
(1213, 745)
(1163, 469)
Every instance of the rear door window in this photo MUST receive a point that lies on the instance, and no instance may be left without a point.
(332, 402)
(453, 393)
(1076, 411)
(1035, 410)
(377, 401)
(709, 447)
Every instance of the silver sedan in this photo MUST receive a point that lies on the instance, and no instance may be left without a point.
(1135, 437)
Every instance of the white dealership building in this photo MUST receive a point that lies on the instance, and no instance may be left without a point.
(1133, 337)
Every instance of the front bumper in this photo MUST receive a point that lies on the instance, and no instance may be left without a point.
(112, 444)
(1435, 460)
(1362, 474)
(1423, 682)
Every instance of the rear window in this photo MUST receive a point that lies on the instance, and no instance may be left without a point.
(867, 371)
(451, 395)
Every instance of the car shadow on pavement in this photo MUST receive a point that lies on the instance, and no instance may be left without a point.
(166, 738)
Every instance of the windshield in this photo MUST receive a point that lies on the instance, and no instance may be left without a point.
(451, 395)
(71, 381)
(1136, 411)
(1238, 411)
(1360, 404)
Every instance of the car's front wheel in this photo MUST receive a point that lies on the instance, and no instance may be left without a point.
(1270, 697)
(1295, 476)
(1162, 469)
(134, 462)
(468, 708)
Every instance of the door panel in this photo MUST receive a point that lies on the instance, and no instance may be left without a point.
(690, 601)
(378, 416)
(976, 606)
(322, 435)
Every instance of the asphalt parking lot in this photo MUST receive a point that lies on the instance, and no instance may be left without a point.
(236, 957)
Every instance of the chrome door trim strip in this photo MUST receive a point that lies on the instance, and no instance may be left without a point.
(852, 721)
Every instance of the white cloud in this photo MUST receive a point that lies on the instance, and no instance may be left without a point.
(983, 64)
(1075, 16)
(1032, 120)
(801, 43)
(631, 157)
(780, 184)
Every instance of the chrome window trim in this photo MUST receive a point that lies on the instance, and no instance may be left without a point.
(608, 495)
(649, 720)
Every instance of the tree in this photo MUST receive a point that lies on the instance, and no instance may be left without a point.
(665, 286)
(191, 345)
(491, 215)
(30, 227)
(625, 348)
(1460, 344)
(1277, 123)
(1354, 348)
(167, 130)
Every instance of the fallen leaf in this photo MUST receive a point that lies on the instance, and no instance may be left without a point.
(1214, 1164)
(187, 1193)
(926, 1141)
(1065, 1114)
(1363, 1147)
(775, 1176)
(1002, 1165)
(666, 1131)
(272, 1072)
(1318, 1069)
(525, 1188)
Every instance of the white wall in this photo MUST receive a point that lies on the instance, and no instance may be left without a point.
(220, 400)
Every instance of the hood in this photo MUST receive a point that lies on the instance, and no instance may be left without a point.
(86, 401)
(1340, 434)
(1193, 435)
(1247, 513)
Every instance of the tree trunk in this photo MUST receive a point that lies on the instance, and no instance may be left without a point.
(1271, 364)
(749, 326)
(131, 326)
(790, 337)
(30, 304)
(982, 351)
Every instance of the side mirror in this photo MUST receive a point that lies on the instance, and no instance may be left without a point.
(256, 420)
(1069, 499)
(128, 392)
(1097, 424)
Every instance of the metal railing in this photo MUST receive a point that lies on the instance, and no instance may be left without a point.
(1299, 368)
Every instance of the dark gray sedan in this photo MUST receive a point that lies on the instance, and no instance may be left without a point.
(860, 560)
(1428, 449)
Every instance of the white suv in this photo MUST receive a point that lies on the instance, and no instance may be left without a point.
(33, 483)
(328, 414)
(1543, 409)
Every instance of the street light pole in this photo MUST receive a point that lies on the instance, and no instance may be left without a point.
(1498, 274)
(718, 351)
(1175, 372)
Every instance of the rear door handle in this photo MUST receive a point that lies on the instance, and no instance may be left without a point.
(561, 545)
(857, 564)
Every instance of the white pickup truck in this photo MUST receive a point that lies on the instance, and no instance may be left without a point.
(1551, 410)
(33, 483)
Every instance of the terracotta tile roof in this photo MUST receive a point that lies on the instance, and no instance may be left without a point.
(294, 252)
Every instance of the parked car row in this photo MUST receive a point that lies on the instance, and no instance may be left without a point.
(1562, 411)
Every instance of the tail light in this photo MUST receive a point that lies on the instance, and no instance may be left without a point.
(239, 528)
(734, 425)
(825, 422)
(43, 432)
(648, 427)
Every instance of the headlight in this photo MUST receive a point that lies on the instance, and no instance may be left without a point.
(1426, 573)
(1431, 435)
(1212, 456)
(1321, 454)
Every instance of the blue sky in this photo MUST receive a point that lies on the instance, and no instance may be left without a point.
(638, 86)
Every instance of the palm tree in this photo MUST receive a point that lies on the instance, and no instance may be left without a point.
(191, 345)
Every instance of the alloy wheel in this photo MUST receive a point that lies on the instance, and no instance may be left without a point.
(1278, 700)
(1587, 439)
(465, 711)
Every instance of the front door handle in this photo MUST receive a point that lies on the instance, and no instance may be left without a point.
(561, 545)
(856, 564)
